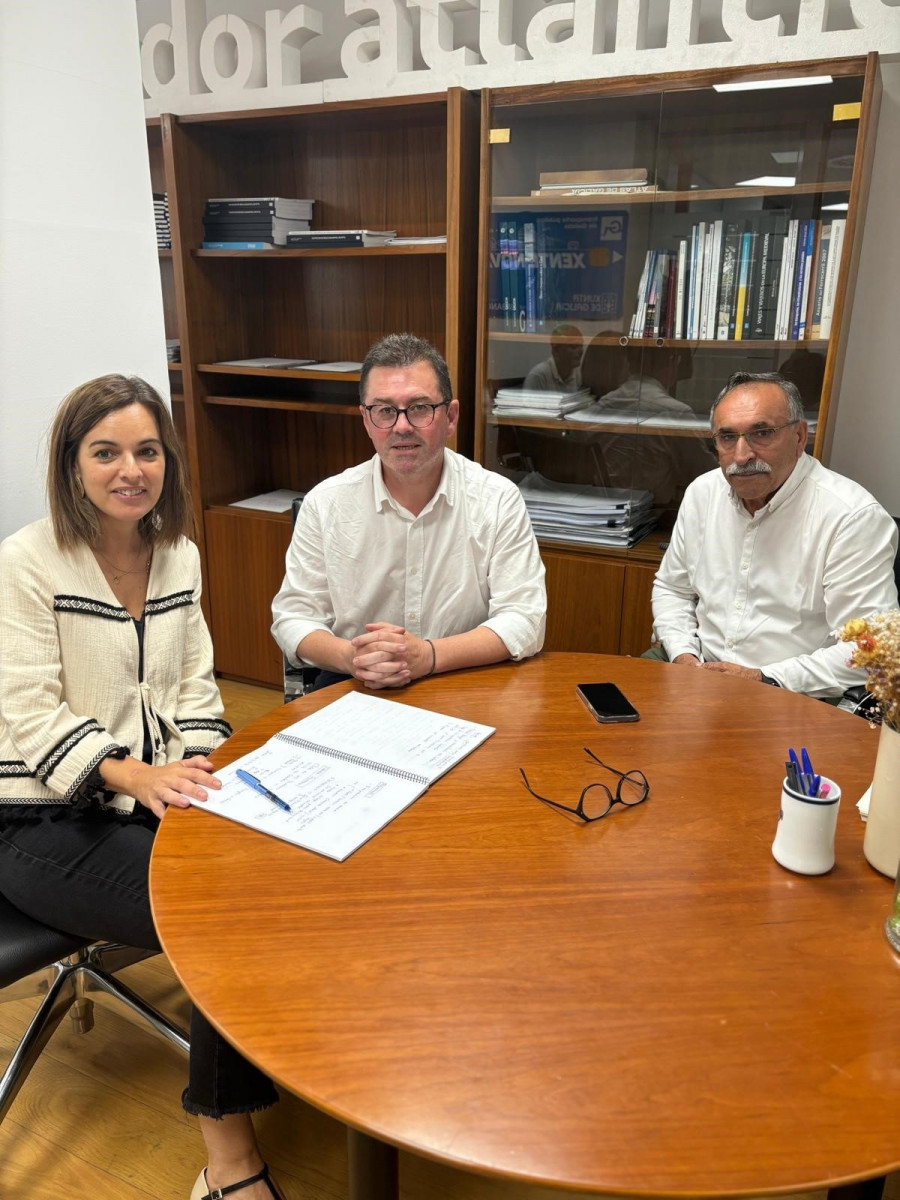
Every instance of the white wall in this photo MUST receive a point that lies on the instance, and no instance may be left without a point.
(867, 435)
(79, 271)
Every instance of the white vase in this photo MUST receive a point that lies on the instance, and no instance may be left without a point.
(881, 844)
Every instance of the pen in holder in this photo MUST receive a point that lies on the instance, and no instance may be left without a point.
(804, 839)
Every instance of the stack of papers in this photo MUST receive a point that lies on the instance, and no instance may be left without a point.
(278, 501)
(579, 512)
(524, 402)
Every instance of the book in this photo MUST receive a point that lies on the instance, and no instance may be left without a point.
(280, 500)
(798, 309)
(344, 367)
(338, 238)
(506, 266)
(741, 297)
(812, 244)
(771, 249)
(584, 263)
(276, 206)
(640, 303)
(613, 175)
(345, 771)
(752, 283)
(715, 268)
(680, 292)
(600, 189)
(731, 251)
(529, 256)
(786, 285)
(832, 273)
(281, 364)
(818, 287)
(238, 246)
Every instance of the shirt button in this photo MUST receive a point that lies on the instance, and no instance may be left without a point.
(414, 570)
(412, 616)
(729, 645)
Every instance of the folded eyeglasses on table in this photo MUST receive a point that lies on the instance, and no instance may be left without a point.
(596, 800)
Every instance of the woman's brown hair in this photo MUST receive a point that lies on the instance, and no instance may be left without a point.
(73, 515)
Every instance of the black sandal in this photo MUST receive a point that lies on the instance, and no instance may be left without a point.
(218, 1193)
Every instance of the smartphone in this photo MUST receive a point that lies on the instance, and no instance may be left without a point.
(606, 703)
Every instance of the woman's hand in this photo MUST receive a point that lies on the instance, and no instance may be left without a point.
(158, 787)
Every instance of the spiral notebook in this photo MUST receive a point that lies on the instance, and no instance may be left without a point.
(346, 771)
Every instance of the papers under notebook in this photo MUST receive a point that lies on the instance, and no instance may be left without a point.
(346, 771)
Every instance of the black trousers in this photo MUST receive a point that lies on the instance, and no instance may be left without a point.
(85, 872)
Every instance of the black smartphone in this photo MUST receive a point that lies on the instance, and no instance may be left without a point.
(607, 703)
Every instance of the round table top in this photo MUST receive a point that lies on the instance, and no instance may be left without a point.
(646, 1004)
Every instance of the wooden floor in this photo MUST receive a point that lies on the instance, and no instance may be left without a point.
(99, 1117)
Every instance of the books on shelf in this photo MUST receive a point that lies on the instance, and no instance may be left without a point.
(344, 772)
(336, 239)
(611, 177)
(547, 268)
(764, 276)
(238, 245)
(173, 350)
(580, 512)
(161, 217)
(256, 206)
(281, 364)
(280, 500)
(520, 401)
(436, 239)
(254, 220)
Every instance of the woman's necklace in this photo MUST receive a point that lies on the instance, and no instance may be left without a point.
(120, 573)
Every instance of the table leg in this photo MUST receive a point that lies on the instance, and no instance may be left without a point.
(869, 1189)
(372, 1168)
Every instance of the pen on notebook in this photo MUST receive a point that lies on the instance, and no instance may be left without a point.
(259, 786)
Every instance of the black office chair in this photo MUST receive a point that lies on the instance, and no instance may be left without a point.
(297, 680)
(36, 959)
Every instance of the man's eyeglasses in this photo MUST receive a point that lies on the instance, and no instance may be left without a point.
(420, 415)
(756, 439)
(596, 800)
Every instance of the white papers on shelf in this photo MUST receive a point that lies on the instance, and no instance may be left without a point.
(335, 366)
(518, 401)
(278, 501)
(437, 239)
(346, 771)
(580, 512)
(284, 364)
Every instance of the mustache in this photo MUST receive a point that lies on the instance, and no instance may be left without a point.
(755, 467)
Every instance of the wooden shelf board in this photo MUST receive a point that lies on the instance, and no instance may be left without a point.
(681, 343)
(308, 406)
(432, 248)
(604, 199)
(646, 550)
(177, 398)
(276, 372)
(174, 366)
(164, 253)
(563, 426)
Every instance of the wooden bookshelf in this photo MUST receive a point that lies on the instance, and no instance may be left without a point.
(738, 157)
(407, 163)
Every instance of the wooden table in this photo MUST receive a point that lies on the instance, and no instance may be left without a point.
(648, 1004)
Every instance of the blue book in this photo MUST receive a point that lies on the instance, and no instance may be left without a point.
(506, 274)
(584, 265)
(804, 247)
(236, 246)
(495, 283)
(529, 259)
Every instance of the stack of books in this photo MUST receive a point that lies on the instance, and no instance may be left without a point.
(766, 277)
(161, 213)
(579, 512)
(593, 183)
(338, 239)
(173, 349)
(253, 222)
(523, 402)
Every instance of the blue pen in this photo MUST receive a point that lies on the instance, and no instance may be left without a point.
(258, 786)
(807, 765)
(792, 755)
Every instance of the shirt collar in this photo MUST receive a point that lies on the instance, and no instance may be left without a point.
(446, 487)
(802, 468)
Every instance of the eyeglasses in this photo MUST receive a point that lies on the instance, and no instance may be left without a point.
(596, 800)
(756, 439)
(420, 415)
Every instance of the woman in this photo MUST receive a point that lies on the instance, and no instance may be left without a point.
(108, 708)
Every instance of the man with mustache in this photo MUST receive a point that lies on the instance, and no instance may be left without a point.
(772, 553)
(417, 561)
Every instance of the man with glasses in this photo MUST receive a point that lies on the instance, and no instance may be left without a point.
(772, 553)
(418, 560)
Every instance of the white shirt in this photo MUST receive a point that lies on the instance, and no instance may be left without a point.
(770, 590)
(468, 559)
(544, 377)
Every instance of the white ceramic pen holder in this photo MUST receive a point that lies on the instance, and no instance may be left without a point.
(804, 839)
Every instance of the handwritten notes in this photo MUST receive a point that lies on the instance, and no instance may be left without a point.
(346, 771)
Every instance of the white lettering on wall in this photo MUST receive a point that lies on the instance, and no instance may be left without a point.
(190, 65)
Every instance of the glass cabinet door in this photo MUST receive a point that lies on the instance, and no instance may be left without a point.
(641, 249)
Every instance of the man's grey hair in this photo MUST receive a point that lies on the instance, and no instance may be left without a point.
(405, 350)
(790, 390)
